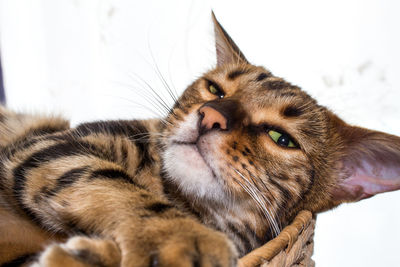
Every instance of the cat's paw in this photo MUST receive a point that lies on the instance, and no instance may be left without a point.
(179, 243)
(81, 252)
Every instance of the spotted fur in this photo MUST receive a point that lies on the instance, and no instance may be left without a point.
(178, 191)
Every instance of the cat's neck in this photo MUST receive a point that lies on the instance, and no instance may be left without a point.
(230, 220)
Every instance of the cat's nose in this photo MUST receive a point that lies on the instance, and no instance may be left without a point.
(212, 119)
(220, 114)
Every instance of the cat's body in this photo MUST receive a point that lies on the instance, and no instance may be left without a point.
(241, 152)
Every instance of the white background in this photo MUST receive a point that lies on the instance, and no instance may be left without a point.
(89, 59)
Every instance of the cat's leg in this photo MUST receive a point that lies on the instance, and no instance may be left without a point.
(81, 251)
(66, 185)
(182, 247)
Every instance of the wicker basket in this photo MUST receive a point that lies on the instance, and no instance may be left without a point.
(292, 247)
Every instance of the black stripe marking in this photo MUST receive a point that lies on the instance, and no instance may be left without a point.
(284, 205)
(236, 73)
(17, 146)
(246, 242)
(19, 260)
(124, 155)
(282, 177)
(68, 178)
(292, 111)
(261, 77)
(131, 129)
(65, 180)
(71, 224)
(114, 174)
(2, 176)
(113, 152)
(288, 94)
(311, 175)
(31, 138)
(159, 207)
(45, 130)
(276, 85)
(51, 153)
(284, 191)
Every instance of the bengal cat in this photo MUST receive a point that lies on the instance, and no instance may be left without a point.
(240, 153)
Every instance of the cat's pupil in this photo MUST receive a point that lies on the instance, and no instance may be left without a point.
(283, 140)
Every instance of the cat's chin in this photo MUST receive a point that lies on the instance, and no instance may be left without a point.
(187, 168)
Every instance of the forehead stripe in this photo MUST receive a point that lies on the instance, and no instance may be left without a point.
(261, 77)
(236, 73)
(292, 111)
(276, 85)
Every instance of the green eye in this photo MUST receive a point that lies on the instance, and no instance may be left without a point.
(281, 139)
(214, 89)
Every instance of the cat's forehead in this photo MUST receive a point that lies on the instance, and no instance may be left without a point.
(261, 92)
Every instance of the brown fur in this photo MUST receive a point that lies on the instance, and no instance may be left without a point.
(118, 184)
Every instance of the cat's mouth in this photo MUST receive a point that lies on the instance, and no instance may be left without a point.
(192, 150)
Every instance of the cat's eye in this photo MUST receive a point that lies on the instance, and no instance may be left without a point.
(282, 139)
(215, 90)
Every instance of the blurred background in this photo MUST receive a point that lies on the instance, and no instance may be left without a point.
(91, 60)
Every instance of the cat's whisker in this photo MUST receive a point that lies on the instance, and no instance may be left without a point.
(175, 93)
(152, 90)
(160, 76)
(172, 93)
(260, 200)
(159, 110)
(138, 86)
(271, 195)
(166, 106)
(264, 186)
(259, 195)
(154, 96)
(253, 195)
(145, 137)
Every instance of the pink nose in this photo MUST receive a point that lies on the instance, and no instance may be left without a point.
(212, 119)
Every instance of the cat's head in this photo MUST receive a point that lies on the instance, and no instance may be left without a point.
(242, 138)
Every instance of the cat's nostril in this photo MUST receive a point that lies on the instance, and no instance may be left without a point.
(216, 126)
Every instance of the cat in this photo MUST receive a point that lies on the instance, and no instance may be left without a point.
(241, 152)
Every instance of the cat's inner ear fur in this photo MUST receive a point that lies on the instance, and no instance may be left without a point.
(227, 51)
(369, 163)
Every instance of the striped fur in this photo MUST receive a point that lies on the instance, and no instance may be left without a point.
(172, 192)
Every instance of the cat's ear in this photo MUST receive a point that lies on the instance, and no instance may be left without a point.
(227, 51)
(369, 163)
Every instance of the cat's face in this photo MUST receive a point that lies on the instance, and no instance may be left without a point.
(274, 133)
(246, 140)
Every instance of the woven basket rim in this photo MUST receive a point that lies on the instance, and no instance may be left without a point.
(283, 242)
